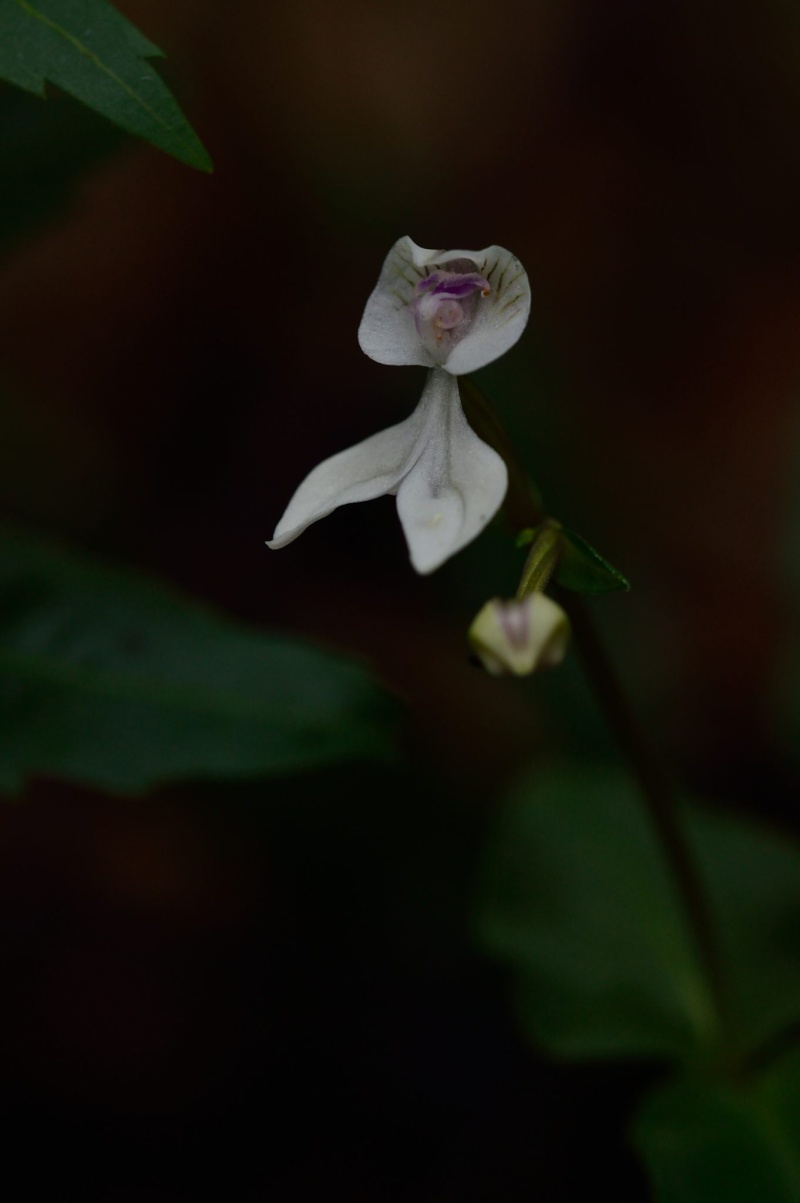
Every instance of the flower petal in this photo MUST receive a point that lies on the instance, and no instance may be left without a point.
(500, 318)
(455, 487)
(387, 332)
(368, 470)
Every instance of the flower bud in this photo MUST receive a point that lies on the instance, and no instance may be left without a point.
(520, 636)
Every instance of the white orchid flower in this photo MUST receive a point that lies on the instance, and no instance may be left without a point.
(452, 312)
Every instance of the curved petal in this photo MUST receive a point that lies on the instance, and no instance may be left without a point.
(388, 332)
(500, 318)
(368, 470)
(456, 485)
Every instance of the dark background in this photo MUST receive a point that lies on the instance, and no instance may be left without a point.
(273, 988)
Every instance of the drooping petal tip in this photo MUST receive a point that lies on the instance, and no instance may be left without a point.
(369, 469)
(455, 487)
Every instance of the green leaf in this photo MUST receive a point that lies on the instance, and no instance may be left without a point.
(584, 570)
(110, 679)
(753, 877)
(578, 901)
(706, 1142)
(89, 49)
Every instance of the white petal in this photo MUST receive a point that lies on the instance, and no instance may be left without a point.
(455, 487)
(387, 332)
(499, 318)
(368, 470)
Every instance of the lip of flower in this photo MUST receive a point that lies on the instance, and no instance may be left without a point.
(453, 312)
(448, 482)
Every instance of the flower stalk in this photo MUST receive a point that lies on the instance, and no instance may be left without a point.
(657, 792)
(542, 559)
(523, 510)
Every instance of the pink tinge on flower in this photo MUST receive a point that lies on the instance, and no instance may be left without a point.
(520, 636)
(515, 621)
(444, 304)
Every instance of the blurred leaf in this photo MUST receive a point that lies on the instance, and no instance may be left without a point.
(108, 678)
(709, 1142)
(584, 570)
(45, 150)
(578, 901)
(89, 49)
(753, 877)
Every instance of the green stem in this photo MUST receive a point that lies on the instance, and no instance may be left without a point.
(656, 789)
(523, 509)
(542, 560)
(523, 505)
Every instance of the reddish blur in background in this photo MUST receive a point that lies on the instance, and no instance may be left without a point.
(176, 351)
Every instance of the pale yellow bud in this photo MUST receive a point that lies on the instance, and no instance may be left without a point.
(520, 636)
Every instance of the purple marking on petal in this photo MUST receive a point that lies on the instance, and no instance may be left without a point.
(461, 286)
(444, 306)
(452, 284)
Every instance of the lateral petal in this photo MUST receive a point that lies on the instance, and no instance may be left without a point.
(500, 318)
(368, 470)
(457, 484)
(387, 332)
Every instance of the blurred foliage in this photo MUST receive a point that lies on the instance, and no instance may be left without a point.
(739, 1143)
(578, 901)
(110, 679)
(87, 48)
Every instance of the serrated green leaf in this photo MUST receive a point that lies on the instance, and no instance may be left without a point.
(578, 901)
(108, 678)
(708, 1142)
(91, 51)
(584, 570)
